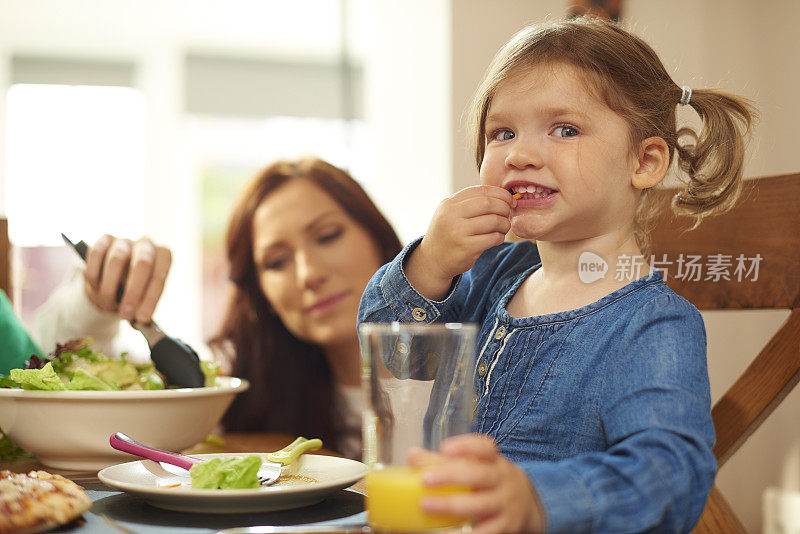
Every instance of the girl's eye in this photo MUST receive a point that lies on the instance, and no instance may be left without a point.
(503, 135)
(330, 236)
(565, 130)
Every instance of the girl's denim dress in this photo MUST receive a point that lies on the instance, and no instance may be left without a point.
(606, 407)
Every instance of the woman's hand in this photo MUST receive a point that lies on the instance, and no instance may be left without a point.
(502, 498)
(463, 226)
(140, 265)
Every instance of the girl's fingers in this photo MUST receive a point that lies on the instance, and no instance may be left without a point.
(419, 457)
(477, 206)
(483, 191)
(473, 445)
(474, 245)
(487, 224)
(454, 241)
(475, 505)
(502, 497)
(491, 525)
(155, 287)
(95, 257)
(477, 475)
(466, 243)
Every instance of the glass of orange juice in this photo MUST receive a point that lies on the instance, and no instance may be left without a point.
(418, 387)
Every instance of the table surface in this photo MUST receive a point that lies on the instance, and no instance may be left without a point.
(116, 511)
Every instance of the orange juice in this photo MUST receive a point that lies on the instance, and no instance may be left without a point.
(393, 501)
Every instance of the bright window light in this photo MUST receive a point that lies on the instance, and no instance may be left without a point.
(75, 163)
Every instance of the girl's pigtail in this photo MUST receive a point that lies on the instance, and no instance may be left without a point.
(714, 158)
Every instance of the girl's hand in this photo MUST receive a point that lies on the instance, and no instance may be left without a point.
(140, 265)
(463, 226)
(502, 497)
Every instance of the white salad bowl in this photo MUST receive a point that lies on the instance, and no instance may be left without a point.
(71, 429)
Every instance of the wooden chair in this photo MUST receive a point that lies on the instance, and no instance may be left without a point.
(765, 224)
(5, 258)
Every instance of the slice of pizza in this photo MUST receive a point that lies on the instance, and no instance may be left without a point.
(38, 502)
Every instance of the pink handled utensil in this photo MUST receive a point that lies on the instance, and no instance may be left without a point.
(125, 443)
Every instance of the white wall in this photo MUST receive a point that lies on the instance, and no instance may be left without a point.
(407, 93)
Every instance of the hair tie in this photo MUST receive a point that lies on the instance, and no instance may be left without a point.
(686, 95)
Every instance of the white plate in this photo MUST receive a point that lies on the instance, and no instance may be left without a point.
(143, 478)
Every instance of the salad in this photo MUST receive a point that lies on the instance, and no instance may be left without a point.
(226, 472)
(75, 366)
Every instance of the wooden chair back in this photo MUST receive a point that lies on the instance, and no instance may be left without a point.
(5, 258)
(748, 258)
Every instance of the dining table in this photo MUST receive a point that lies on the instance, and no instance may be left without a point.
(115, 511)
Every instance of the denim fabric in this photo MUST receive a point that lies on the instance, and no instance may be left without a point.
(606, 408)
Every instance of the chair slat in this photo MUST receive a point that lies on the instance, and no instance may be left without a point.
(765, 223)
(759, 390)
(718, 517)
(5, 258)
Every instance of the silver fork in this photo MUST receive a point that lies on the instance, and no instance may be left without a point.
(276, 462)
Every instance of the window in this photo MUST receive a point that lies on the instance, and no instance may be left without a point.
(75, 160)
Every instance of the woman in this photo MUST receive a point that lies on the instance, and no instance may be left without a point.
(303, 242)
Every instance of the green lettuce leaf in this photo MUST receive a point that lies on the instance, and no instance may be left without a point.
(83, 381)
(150, 379)
(7, 382)
(210, 372)
(10, 450)
(41, 379)
(226, 472)
(120, 372)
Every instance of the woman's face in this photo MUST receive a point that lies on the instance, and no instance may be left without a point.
(313, 262)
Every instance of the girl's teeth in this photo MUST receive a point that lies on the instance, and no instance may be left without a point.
(536, 191)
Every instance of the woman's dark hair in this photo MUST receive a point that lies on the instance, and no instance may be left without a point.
(291, 385)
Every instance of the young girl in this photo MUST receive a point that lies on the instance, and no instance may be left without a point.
(592, 396)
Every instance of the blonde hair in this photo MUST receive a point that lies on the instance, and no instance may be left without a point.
(629, 77)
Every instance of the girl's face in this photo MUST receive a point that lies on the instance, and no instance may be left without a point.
(313, 262)
(547, 134)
